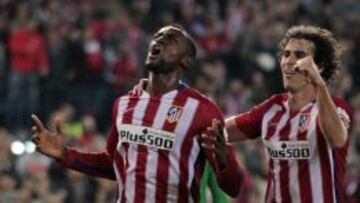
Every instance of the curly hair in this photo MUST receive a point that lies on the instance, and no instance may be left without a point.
(327, 50)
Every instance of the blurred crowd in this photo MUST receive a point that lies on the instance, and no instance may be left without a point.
(72, 58)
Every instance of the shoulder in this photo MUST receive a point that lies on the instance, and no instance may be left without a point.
(117, 101)
(271, 101)
(340, 102)
(343, 109)
(206, 105)
(203, 100)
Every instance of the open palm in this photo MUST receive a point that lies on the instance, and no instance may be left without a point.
(48, 143)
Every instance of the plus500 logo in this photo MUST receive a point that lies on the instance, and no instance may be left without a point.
(148, 139)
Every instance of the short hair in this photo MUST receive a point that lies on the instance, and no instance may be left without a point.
(190, 43)
(327, 50)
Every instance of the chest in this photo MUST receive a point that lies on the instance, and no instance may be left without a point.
(290, 136)
(160, 124)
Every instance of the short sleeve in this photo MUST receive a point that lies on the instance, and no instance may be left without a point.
(249, 123)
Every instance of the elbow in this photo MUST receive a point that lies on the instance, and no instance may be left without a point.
(233, 187)
(232, 191)
(338, 140)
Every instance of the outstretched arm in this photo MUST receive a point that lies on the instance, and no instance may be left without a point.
(99, 164)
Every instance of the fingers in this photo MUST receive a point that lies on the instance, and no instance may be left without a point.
(205, 138)
(209, 147)
(39, 125)
(58, 126)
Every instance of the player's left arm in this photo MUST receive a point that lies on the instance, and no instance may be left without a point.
(221, 154)
(332, 125)
(334, 119)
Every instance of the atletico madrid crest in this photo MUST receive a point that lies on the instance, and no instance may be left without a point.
(174, 114)
(304, 122)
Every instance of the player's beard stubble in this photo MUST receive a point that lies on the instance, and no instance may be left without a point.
(162, 67)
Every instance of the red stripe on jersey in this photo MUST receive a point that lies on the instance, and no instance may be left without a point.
(184, 166)
(270, 189)
(272, 128)
(195, 185)
(127, 117)
(325, 166)
(270, 132)
(162, 173)
(284, 167)
(142, 152)
(304, 170)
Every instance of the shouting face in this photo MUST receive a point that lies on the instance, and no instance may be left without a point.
(167, 50)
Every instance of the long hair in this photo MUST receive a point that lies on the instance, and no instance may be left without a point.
(327, 50)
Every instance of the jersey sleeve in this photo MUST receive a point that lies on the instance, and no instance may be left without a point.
(249, 123)
(344, 111)
(99, 164)
(346, 116)
(230, 175)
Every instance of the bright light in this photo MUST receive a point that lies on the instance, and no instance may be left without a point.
(17, 148)
(30, 147)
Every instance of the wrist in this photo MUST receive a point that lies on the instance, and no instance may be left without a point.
(222, 158)
(62, 154)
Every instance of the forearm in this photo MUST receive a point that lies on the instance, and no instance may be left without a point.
(98, 164)
(229, 174)
(329, 120)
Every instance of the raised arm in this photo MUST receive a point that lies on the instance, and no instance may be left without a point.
(99, 164)
(333, 127)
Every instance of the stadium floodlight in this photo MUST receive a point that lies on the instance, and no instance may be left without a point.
(17, 147)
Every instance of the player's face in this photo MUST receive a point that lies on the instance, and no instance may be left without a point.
(166, 49)
(295, 50)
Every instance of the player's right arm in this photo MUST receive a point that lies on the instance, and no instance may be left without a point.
(98, 164)
(52, 144)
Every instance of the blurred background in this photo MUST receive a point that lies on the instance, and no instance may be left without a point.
(72, 58)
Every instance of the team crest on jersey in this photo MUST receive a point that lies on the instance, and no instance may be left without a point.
(304, 122)
(174, 114)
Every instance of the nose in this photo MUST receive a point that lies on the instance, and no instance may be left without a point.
(290, 60)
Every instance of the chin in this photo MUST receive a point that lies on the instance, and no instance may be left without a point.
(161, 67)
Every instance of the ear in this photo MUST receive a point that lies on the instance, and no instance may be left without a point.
(186, 62)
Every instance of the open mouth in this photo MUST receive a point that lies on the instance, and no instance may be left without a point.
(155, 50)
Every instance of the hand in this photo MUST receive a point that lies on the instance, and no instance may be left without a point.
(309, 67)
(48, 143)
(215, 140)
(138, 88)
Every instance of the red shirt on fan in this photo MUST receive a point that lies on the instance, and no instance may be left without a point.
(302, 165)
(153, 151)
(27, 51)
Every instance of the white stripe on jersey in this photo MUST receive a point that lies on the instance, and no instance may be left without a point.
(123, 102)
(293, 164)
(314, 162)
(119, 181)
(267, 118)
(182, 128)
(137, 118)
(276, 163)
(332, 167)
(152, 157)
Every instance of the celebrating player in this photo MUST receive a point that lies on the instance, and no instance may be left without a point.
(153, 150)
(305, 130)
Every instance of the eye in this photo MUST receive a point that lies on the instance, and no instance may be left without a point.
(300, 54)
(286, 54)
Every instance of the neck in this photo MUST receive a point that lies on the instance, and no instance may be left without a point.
(299, 99)
(161, 83)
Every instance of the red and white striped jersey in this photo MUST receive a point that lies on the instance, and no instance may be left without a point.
(153, 151)
(302, 165)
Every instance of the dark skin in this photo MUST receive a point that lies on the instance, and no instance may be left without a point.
(167, 59)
